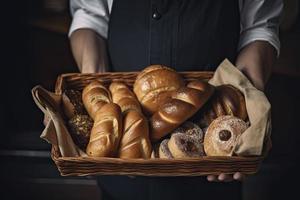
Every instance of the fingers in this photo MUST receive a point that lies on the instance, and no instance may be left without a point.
(212, 178)
(221, 178)
(226, 177)
(238, 176)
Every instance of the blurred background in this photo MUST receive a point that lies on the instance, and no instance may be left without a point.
(36, 50)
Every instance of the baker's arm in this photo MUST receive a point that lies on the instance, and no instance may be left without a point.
(258, 47)
(256, 60)
(259, 42)
(89, 51)
(88, 33)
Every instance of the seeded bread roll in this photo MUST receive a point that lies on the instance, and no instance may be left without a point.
(80, 127)
(72, 103)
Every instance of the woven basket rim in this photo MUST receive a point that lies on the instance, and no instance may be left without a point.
(55, 154)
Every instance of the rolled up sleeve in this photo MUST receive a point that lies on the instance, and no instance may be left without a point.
(91, 14)
(260, 21)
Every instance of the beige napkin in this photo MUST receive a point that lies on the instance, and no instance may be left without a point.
(55, 132)
(250, 143)
(258, 107)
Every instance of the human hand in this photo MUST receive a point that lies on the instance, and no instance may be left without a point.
(226, 177)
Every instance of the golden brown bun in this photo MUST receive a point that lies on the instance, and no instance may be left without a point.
(227, 100)
(153, 84)
(222, 135)
(124, 97)
(183, 104)
(106, 132)
(135, 142)
(94, 96)
(185, 146)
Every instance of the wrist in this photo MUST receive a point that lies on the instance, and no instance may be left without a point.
(255, 61)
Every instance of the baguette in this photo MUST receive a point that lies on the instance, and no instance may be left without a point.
(135, 142)
(106, 132)
(94, 97)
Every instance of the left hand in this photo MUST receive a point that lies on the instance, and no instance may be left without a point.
(226, 177)
(255, 60)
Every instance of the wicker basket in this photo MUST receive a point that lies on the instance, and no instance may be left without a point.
(83, 166)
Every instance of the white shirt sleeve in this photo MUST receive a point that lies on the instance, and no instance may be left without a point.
(260, 21)
(91, 14)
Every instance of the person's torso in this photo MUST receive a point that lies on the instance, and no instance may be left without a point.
(183, 34)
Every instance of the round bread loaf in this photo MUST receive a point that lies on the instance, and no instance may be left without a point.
(153, 84)
(222, 135)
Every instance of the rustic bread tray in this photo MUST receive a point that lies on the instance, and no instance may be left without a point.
(83, 166)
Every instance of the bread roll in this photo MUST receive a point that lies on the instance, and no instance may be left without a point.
(184, 146)
(94, 96)
(227, 100)
(135, 142)
(183, 104)
(106, 132)
(72, 103)
(222, 135)
(80, 127)
(153, 84)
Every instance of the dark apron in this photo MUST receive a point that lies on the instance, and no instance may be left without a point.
(185, 35)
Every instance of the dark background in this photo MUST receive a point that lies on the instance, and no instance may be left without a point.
(36, 50)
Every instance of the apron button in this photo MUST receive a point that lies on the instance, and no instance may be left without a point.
(156, 15)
